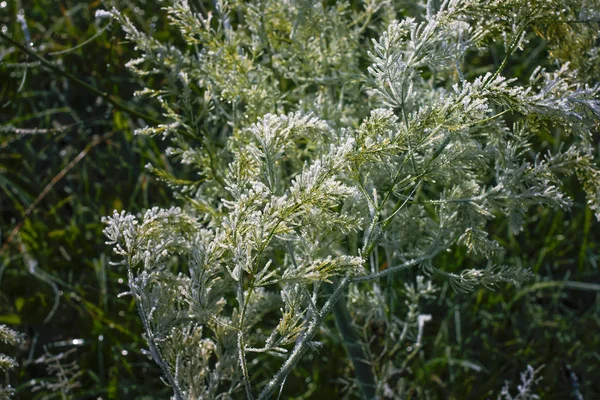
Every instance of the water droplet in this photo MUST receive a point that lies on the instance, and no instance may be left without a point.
(124, 352)
(3, 4)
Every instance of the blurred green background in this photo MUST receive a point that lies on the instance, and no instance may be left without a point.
(69, 157)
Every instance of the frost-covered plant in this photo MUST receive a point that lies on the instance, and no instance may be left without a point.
(13, 339)
(525, 390)
(324, 163)
(65, 373)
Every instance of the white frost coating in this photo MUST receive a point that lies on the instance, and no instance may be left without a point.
(102, 14)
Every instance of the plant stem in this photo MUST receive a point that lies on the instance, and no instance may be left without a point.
(394, 269)
(354, 346)
(244, 365)
(152, 346)
(54, 68)
(303, 345)
(15, 231)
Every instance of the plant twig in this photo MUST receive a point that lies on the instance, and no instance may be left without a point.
(54, 68)
(355, 348)
(152, 346)
(303, 345)
(394, 269)
(244, 365)
(15, 231)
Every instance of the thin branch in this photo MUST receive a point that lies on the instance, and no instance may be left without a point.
(51, 184)
(244, 365)
(154, 350)
(302, 346)
(394, 269)
(363, 369)
(54, 68)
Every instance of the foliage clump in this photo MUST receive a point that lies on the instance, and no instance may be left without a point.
(13, 339)
(333, 148)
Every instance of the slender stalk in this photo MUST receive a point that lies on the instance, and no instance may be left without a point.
(15, 231)
(355, 348)
(54, 68)
(303, 345)
(244, 365)
(394, 269)
(365, 376)
(154, 350)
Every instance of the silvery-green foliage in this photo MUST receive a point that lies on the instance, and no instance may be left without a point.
(318, 178)
(63, 371)
(525, 390)
(13, 339)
